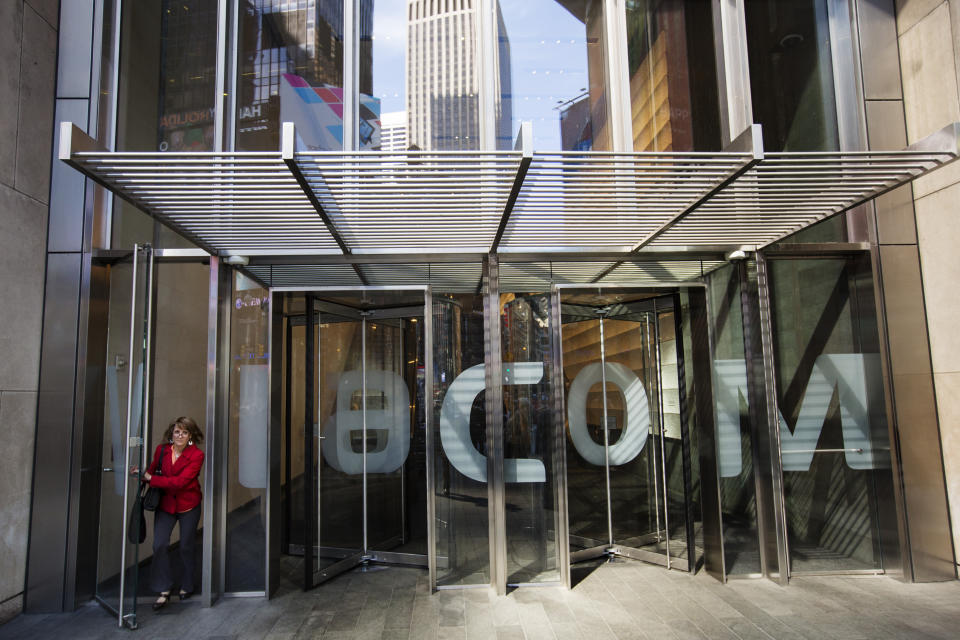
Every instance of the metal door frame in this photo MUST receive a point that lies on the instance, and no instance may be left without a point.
(366, 555)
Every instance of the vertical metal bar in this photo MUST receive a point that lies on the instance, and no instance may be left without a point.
(351, 73)
(773, 416)
(428, 418)
(606, 432)
(403, 467)
(274, 379)
(617, 75)
(288, 433)
(311, 488)
(220, 447)
(207, 597)
(147, 357)
(363, 414)
(131, 375)
(231, 114)
(759, 434)
(220, 82)
(559, 440)
(733, 71)
(115, 99)
(486, 37)
(653, 455)
(663, 458)
(494, 419)
(686, 467)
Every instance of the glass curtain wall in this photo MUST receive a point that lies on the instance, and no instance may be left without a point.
(672, 75)
(462, 520)
(166, 95)
(792, 85)
(290, 69)
(551, 71)
(247, 440)
(834, 442)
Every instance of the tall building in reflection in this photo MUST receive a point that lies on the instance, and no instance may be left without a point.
(443, 75)
(303, 39)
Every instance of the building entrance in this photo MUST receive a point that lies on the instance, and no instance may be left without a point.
(627, 448)
(355, 441)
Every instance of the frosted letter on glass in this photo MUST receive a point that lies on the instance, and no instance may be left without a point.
(634, 435)
(857, 380)
(253, 426)
(390, 425)
(455, 424)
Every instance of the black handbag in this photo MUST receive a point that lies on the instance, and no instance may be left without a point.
(137, 527)
(151, 498)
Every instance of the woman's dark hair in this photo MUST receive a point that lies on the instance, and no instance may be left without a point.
(184, 423)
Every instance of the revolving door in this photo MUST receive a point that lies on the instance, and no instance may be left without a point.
(627, 447)
(355, 430)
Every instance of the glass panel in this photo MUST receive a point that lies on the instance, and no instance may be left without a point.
(833, 432)
(396, 436)
(550, 71)
(738, 503)
(673, 102)
(528, 438)
(462, 522)
(636, 483)
(338, 452)
(245, 562)
(290, 70)
(671, 437)
(586, 471)
(167, 91)
(117, 559)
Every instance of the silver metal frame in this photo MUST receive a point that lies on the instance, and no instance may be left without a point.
(496, 489)
(429, 561)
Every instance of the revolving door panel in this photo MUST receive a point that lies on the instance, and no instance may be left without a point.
(622, 395)
(358, 365)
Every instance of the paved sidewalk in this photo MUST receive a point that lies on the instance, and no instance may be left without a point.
(621, 600)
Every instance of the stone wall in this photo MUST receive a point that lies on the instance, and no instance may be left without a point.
(929, 37)
(28, 50)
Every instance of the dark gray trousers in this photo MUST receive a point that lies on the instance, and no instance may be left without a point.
(161, 578)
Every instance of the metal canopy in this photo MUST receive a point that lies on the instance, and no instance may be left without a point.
(639, 205)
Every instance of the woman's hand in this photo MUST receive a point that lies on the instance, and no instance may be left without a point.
(134, 470)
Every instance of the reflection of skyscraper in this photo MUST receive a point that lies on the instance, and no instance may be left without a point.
(393, 131)
(443, 75)
(280, 37)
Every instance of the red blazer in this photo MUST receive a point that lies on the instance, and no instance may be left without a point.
(181, 489)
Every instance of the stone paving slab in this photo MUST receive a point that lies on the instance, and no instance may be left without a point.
(614, 601)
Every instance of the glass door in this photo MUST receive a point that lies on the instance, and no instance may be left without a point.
(365, 447)
(125, 402)
(623, 442)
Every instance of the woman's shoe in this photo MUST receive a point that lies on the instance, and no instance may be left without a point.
(161, 601)
(185, 594)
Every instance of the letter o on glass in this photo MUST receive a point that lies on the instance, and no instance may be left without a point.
(634, 435)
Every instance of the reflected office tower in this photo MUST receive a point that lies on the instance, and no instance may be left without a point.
(443, 75)
(393, 131)
(292, 51)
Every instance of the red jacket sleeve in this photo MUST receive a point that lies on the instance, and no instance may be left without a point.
(187, 474)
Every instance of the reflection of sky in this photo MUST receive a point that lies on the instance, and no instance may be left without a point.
(549, 61)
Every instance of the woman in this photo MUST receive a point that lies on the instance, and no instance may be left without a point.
(174, 470)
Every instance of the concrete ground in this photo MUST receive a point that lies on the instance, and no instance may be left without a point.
(625, 599)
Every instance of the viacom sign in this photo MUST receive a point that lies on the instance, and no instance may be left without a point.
(855, 378)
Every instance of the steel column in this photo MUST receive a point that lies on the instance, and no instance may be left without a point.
(559, 440)
(494, 421)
